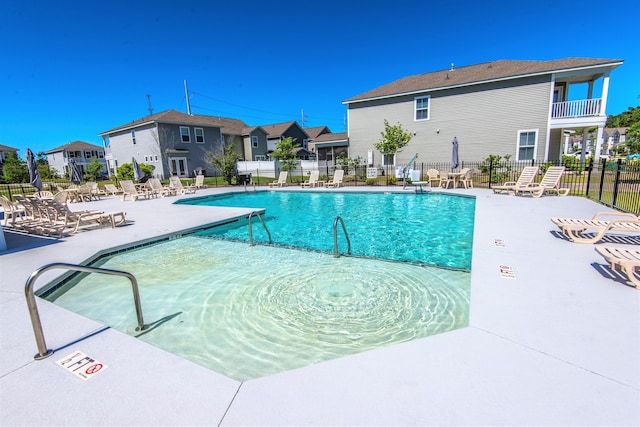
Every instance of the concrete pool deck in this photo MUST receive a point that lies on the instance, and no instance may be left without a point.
(557, 345)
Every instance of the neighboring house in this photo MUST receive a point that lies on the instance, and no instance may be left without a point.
(614, 137)
(82, 152)
(5, 150)
(172, 142)
(521, 108)
(279, 131)
(255, 143)
(328, 146)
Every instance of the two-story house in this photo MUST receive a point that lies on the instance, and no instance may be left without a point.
(172, 142)
(279, 131)
(521, 108)
(82, 152)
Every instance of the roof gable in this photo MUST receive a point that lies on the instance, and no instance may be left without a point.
(317, 131)
(279, 129)
(76, 146)
(178, 118)
(480, 73)
(7, 148)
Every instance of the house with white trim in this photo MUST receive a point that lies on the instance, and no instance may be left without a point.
(82, 152)
(520, 108)
(180, 144)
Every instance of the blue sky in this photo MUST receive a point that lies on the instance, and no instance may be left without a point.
(70, 70)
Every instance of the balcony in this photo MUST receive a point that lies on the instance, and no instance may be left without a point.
(574, 109)
(580, 113)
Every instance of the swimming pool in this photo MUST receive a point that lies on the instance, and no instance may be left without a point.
(432, 229)
(251, 311)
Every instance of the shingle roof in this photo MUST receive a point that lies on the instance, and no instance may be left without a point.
(277, 129)
(317, 131)
(327, 137)
(75, 146)
(475, 74)
(176, 117)
(7, 148)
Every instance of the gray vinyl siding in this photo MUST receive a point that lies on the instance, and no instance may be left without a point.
(485, 119)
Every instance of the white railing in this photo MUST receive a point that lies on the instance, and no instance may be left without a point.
(580, 108)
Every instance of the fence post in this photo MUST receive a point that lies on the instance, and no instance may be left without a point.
(603, 168)
(616, 183)
(490, 172)
(589, 167)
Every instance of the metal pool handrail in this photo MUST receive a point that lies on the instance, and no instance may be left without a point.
(43, 352)
(335, 237)
(251, 226)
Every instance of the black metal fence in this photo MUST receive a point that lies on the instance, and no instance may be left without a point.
(612, 183)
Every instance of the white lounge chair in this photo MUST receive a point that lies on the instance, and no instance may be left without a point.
(623, 259)
(524, 180)
(597, 227)
(282, 180)
(313, 180)
(176, 184)
(337, 179)
(550, 183)
(129, 189)
(158, 189)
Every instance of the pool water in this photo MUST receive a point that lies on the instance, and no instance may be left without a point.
(250, 311)
(431, 229)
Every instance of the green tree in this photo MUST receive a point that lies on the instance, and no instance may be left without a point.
(126, 171)
(624, 119)
(633, 138)
(225, 161)
(285, 153)
(394, 139)
(43, 166)
(95, 169)
(14, 169)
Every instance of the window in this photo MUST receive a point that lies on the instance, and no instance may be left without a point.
(185, 135)
(254, 141)
(260, 157)
(527, 144)
(156, 158)
(389, 160)
(422, 107)
(199, 132)
(133, 136)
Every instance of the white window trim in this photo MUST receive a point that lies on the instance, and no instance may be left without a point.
(195, 133)
(535, 143)
(254, 141)
(415, 108)
(188, 134)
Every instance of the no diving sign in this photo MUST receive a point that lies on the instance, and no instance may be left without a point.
(81, 365)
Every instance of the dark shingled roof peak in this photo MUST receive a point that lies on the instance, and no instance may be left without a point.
(475, 74)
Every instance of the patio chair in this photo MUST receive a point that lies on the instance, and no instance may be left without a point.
(313, 180)
(162, 190)
(466, 177)
(176, 184)
(625, 260)
(337, 179)
(200, 182)
(433, 176)
(281, 182)
(524, 180)
(550, 183)
(594, 229)
(60, 214)
(112, 189)
(11, 211)
(129, 189)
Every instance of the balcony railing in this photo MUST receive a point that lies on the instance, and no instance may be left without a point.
(580, 108)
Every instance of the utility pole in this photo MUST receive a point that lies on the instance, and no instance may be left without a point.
(186, 94)
(149, 109)
(303, 118)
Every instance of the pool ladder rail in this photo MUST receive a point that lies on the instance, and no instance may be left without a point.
(43, 351)
(252, 214)
(336, 253)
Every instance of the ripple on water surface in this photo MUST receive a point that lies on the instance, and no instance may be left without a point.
(247, 312)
